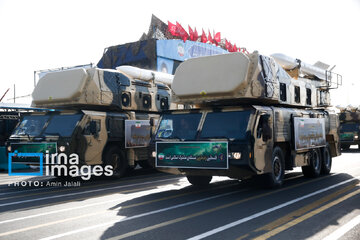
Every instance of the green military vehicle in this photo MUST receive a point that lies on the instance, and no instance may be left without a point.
(253, 115)
(104, 119)
(349, 127)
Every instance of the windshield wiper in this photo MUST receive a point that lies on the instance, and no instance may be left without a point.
(28, 135)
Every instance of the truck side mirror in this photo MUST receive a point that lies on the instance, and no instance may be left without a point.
(92, 127)
(152, 122)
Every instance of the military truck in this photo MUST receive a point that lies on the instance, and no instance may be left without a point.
(254, 116)
(10, 114)
(349, 127)
(103, 116)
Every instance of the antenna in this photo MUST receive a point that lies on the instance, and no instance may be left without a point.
(4, 94)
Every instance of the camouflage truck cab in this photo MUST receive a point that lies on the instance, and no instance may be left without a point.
(105, 117)
(349, 128)
(251, 118)
(98, 138)
(241, 142)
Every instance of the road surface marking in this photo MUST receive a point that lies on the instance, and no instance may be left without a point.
(301, 211)
(79, 207)
(306, 216)
(87, 198)
(126, 180)
(256, 215)
(123, 198)
(338, 233)
(122, 217)
(83, 192)
(140, 215)
(185, 217)
(47, 224)
(61, 189)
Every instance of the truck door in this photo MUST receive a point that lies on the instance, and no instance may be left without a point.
(263, 145)
(95, 134)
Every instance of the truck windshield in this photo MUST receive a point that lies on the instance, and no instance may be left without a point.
(178, 126)
(62, 125)
(31, 125)
(349, 127)
(230, 125)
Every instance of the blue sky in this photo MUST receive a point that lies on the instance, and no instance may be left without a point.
(42, 34)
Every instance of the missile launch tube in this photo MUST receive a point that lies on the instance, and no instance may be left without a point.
(289, 63)
(147, 75)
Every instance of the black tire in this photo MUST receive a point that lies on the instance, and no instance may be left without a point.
(116, 158)
(314, 168)
(199, 180)
(145, 164)
(326, 160)
(275, 178)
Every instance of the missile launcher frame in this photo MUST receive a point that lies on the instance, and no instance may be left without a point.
(101, 89)
(253, 78)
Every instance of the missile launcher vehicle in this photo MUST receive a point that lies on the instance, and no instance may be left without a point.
(102, 115)
(349, 127)
(253, 116)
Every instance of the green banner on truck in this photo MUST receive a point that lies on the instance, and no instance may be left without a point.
(206, 155)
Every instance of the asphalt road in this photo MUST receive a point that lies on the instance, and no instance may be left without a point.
(153, 205)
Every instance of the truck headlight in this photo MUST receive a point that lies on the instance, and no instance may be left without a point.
(62, 148)
(153, 154)
(356, 137)
(9, 148)
(236, 155)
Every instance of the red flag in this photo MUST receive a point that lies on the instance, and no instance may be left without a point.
(227, 44)
(229, 47)
(183, 34)
(172, 28)
(203, 37)
(192, 34)
(217, 38)
(196, 35)
(210, 39)
(235, 48)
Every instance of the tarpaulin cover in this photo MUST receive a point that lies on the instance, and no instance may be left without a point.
(144, 54)
(140, 54)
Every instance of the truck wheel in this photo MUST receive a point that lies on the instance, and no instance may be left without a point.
(199, 180)
(275, 178)
(116, 158)
(314, 168)
(326, 160)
